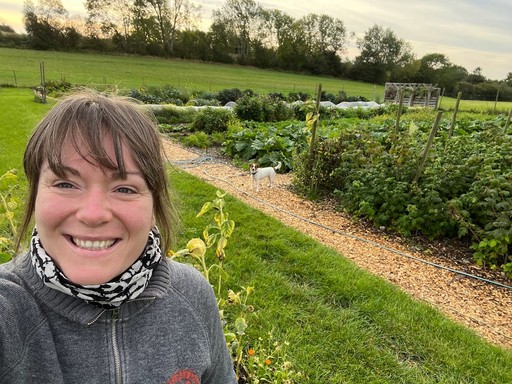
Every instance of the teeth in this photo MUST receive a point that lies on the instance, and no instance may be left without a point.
(93, 245)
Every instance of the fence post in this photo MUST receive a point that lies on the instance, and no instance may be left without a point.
(43, 82)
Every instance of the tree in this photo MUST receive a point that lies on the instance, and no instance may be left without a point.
(243, 20)
(382, 55)
(324, 33)
(508, 79)
(171, 16)
(325, 38)
(6, 28)
(286, 37)
(221, 42)
(111, 19)
(476, 77)
(44, 24)
(431, 65)
(437, 69)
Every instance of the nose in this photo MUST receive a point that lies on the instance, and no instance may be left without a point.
(94, 208)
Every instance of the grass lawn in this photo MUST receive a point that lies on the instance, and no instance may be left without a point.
(19, 116)
(342, 324)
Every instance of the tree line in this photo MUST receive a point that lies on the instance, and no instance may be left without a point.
(244, 32)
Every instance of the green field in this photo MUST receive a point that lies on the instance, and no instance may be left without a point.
(21, 68)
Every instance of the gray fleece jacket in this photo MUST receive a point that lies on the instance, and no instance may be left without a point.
(170, 334)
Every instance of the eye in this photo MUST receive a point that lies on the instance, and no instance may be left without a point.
(63, 185)
(126, 190)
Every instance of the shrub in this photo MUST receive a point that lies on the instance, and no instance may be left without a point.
(171, 114)
(263, 108)
(298, 96)
(227, 95)
(211, 120)
(166, 94)
(58, 88)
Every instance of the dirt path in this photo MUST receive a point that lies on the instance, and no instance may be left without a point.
(484, 307)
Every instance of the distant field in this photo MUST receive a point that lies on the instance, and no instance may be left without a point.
(22, 67)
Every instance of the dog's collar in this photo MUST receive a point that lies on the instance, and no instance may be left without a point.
(253, 173)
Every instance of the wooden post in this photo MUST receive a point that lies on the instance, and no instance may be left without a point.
(312, 143)
(496, 101)
(43, 82)
(313, 129)
(508, 121)
(428, 146)
(454, 117)
(399, 112)
(440, 99)
(15, 80)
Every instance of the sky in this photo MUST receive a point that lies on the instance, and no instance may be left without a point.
(471, 33)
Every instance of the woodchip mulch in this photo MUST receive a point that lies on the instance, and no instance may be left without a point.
(484, 307)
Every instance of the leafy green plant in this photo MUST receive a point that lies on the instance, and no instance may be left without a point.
(234, 307)
(267, 362)
(197, 140)
(211, 120)
(167, 94)
(464, 189)
(9, 204)
(266, 144)
(263, 108)
(229, 94)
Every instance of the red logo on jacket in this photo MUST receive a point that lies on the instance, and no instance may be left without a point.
(185, 376)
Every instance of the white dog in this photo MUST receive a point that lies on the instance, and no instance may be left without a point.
(258, 174)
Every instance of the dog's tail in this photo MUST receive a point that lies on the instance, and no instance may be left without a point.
(277, 166)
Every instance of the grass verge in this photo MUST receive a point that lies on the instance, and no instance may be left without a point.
(343, 324)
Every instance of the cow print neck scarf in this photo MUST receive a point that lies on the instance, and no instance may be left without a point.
(110, 295)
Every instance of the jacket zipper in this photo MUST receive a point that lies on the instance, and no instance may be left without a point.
(115, 347)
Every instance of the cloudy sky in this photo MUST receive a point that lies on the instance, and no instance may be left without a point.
(471, 33)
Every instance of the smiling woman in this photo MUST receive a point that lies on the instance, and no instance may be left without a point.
(103, 223)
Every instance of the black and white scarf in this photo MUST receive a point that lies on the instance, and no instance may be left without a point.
(108, 295)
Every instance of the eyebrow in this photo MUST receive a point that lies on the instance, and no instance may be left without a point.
(116, 175)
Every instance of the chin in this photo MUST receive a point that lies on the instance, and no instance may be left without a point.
(89, 277)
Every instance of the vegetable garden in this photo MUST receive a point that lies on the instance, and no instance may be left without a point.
(416, 171)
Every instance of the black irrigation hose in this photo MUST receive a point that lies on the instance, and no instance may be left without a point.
(204, 159)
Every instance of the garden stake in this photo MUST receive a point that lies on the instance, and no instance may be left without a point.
(428, 146)
(454, 118)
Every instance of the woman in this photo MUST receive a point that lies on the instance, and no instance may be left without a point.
(94, 300)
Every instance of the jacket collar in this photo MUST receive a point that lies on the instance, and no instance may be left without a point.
(83, 312)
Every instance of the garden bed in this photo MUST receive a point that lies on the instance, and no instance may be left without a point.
(480, 305)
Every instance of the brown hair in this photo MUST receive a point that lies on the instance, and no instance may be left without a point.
(87, 117)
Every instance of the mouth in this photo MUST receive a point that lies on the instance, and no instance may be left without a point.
(93, 245)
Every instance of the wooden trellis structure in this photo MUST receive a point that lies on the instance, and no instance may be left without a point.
(414, 94)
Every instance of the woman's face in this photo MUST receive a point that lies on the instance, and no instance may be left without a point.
(92, 223)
